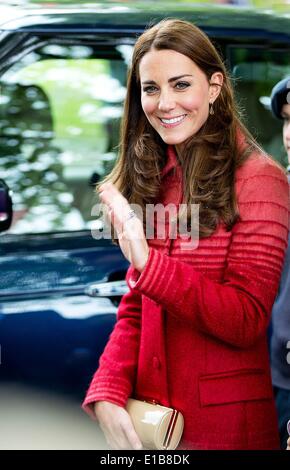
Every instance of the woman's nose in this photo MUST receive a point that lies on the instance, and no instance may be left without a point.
(166, 102)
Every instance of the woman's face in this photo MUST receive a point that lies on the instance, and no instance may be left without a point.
(175, 94)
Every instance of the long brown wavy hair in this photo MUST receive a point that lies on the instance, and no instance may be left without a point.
(210, 157)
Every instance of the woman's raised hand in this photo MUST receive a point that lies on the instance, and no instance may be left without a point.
(127, 225)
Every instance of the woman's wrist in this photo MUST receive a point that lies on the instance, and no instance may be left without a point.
(143, 263)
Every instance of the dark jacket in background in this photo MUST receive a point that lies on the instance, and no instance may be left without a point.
(281, 329)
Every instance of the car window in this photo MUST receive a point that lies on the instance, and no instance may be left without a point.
(255, 71)
(59, 124)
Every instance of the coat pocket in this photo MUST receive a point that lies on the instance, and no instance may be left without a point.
(234, 386)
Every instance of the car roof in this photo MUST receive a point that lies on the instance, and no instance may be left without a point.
(130, 17)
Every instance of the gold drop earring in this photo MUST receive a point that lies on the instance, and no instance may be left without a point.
(211, 110)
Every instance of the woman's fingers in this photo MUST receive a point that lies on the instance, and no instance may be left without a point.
(127, 226)
(110, 195)
(130, 433)
(117, 426)
(119, 210)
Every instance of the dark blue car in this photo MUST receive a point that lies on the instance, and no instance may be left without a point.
(62, 78)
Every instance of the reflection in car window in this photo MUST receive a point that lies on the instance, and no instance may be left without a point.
(59, 124)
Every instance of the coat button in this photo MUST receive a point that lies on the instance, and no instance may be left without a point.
(156, 362)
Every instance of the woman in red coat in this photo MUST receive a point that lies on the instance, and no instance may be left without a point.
(191, 332)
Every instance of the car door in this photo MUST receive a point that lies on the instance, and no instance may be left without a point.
(61, 104)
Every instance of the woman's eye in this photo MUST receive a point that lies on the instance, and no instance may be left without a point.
(182, 85)
(149, 89)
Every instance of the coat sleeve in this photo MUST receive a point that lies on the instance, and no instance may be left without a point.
(236, 310)
(115, 377)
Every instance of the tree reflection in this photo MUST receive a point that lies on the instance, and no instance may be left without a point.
(30, 162)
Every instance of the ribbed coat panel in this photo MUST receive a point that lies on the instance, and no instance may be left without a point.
(191, 333)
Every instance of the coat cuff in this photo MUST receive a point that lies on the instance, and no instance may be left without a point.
(150, 281)
(106, 389)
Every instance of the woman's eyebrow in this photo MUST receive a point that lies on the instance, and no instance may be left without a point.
(172, 79)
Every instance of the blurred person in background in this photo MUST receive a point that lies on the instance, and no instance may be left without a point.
(280, 339)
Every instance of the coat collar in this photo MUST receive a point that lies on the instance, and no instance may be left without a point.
(171, 162)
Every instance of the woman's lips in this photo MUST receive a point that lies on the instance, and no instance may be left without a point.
(172, 122)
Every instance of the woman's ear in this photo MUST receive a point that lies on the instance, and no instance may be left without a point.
(215, 85)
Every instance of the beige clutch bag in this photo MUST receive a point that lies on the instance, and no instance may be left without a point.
(158, 427)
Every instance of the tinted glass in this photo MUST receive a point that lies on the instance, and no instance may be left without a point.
(59, 125)
(255, 71)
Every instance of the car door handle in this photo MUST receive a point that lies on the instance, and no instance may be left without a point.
(107, 289)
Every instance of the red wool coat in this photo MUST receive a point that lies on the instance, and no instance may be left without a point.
(191, 333)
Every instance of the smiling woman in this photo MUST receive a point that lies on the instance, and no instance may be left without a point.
(181, 103)
(154, 92)
(196, 313)
(63, 80)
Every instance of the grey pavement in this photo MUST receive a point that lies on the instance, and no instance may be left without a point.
(32, 419)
